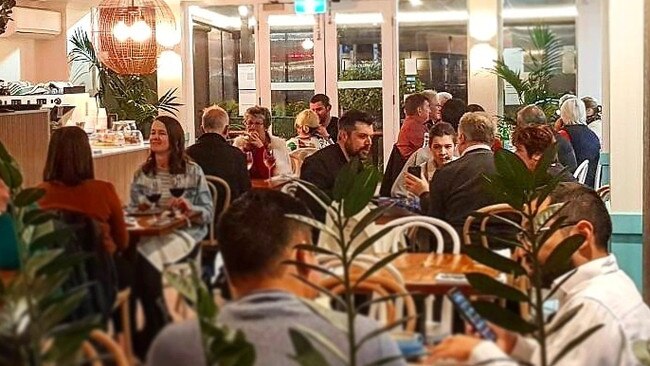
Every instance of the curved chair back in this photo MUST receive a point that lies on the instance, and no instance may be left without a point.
(404, 224)
(381, 286)
(216, 181)
(604, 192)
(105, 343)
(598, 178)
(581, 172)
(492, 209)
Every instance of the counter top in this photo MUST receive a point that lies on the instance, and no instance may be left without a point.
(100, 152)
(18, 113)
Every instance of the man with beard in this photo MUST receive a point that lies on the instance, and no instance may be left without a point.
(607, 296)
(321, 168)
(329, 125)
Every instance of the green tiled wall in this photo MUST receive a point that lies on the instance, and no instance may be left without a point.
(627, 244)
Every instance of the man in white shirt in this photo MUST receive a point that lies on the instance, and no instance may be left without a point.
(607, 296)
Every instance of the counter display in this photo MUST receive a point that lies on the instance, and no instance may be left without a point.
(26, 136)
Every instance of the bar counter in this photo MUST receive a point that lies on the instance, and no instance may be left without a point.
(26, 136)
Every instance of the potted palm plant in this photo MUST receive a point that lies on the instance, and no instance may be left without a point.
(5, 13)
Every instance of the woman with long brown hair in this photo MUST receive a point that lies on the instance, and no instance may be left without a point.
(69, 183)
(167, 178)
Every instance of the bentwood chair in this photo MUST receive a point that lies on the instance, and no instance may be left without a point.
(581, 172)
(298, 156)
(100, 340)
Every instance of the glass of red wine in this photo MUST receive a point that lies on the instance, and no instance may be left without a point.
(269, 161)
(152, 192)
(178, 185)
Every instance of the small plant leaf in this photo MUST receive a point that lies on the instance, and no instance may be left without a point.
(559, 322)
(317, 249)
(559, 258)
(54, 239)
(489, 286)
(345, 180)
(326, 343)
(370, 241)
(369, 218)
(28, 196)
(322, 290)
(306, 354)
(314, 267)
(559, 285)
(379, 265)
(575, 342)
(315, 224)
(491, 259)
(503, 317)
(363, 188)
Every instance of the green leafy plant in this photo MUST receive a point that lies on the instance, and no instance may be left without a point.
(367, 99)
(33, 306)
(355, 185)
(5, 13)
(132, 97)
(526, 192)
(222, 346)
(545, 53)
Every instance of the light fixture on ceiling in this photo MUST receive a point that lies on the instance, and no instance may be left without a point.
(243, 11)
(415, 2)
(128, 35)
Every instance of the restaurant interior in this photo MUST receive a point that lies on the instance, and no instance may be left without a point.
(151, 82)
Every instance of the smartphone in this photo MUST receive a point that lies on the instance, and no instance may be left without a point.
(415, 170)
(469, 314)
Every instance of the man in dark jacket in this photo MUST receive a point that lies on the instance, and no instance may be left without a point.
(216, 156)
(322, 167)
(320, 104)
(458, 188)
(533, 115)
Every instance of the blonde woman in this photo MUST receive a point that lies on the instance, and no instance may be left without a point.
(307, 125)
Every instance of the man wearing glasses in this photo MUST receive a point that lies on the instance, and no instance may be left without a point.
(593, 280)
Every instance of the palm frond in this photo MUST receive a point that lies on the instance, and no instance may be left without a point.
(510, 76)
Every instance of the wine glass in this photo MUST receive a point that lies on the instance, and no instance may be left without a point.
(249, 160)
(152, 192)
(269, 161)
(178, 185)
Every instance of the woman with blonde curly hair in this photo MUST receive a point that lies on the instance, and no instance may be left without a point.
(307, 125)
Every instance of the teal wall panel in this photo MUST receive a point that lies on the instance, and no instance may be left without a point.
(627, 244)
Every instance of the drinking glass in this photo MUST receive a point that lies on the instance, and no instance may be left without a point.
(249, 160)
(178, 185)
(152, 192)
(269, 161)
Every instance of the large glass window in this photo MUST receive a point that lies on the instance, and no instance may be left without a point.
(223, 49)
(433, 46)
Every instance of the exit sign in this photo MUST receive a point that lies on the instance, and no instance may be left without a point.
(310, 6)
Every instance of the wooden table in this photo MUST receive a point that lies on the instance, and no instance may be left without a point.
(420, 269)
(148, 225)
(265, 184)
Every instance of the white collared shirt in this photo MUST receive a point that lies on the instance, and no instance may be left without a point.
(476, 147)
(608, 296)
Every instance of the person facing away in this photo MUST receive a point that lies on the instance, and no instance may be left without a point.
(458, 189)
(307, 126)
(592, 280)
(594, 117)
(443, 98)
(69, 183)
(216, 156)
(256, 239)
(531, 142)
(322, 167)
(329, 125)
(266, 149)
(573, 122)
(442, 142)
(411, 135)
(534, 115)
(452, 111)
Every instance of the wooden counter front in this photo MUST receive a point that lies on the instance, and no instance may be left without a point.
(118, 167)
(26, 135)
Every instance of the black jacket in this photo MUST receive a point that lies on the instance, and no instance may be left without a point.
(333, 128)
(321, 169)
(458, 189)
(216, 157)
(587, 147)
(565, 153)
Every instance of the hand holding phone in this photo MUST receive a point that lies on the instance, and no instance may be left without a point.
(469, 314)
(415, 170)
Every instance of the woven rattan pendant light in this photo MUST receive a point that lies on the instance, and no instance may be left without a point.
(128, 35)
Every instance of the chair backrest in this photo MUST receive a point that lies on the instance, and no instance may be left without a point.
(105, 343)
(604, 192)
(598, 178)
(581, 172)
(225, 202)
(382, 286)
(404, 224)
(363, 261)
(298, 157)
(215, 197)
(490, 210)
(98, 272)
